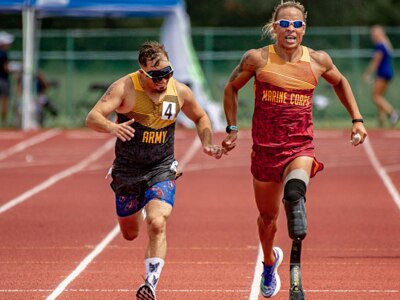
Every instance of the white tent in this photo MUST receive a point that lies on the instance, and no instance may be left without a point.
(178, 44)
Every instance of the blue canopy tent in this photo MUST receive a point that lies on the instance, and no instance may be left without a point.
(177, 41)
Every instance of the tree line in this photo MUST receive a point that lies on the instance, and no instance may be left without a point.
(320, 13)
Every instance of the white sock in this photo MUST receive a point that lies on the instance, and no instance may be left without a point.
(154, 267)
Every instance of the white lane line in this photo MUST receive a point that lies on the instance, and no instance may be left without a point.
(99, 248)
(386, 180)
(255, 286)
(353, 291)
(28, 143)
(59, 176)
(382, 172)
(392, 168)
(82, 266)
(85, 134)
(387, 291)
(190, 153)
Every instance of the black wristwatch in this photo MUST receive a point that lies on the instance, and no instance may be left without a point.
(229, 128)
(361, 120)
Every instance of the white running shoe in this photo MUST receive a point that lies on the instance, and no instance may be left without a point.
(394, 118)
(270, 280)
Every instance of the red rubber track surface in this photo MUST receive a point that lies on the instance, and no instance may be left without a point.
(352, 250)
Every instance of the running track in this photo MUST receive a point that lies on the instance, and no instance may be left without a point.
(59, 237)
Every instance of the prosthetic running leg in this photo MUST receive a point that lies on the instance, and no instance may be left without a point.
(294, 201)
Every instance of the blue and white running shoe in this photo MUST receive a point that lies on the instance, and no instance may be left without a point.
(270, 280)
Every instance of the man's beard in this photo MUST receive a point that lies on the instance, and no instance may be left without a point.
(161, 89)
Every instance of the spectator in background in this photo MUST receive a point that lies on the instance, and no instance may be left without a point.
(6, 40)
(382, 65)
(43, 103)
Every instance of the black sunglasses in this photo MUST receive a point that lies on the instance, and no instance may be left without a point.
(158, 75)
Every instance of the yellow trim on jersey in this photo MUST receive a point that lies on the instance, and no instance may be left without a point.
(294, 76)
(171, 89)
(304, 57)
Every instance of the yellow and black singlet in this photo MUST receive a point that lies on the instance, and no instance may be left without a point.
(151, 150)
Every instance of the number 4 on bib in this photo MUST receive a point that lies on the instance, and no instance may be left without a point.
(168, 111)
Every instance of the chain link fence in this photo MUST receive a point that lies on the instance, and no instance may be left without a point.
(80, 64)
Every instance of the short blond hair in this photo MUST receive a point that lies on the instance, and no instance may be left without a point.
(268, 28)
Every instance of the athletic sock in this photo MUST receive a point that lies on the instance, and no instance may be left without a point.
(154, 267)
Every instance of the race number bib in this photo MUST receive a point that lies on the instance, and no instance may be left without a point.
(168, 110)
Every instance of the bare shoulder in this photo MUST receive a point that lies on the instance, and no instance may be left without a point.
(321, 58)
(253, 55)
(252, 59)
(184, 92)
(124, 83)
(322, 65)
(181, 88)
(118, 85)
(119, 95)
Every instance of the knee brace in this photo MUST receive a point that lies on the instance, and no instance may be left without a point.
(294, 201)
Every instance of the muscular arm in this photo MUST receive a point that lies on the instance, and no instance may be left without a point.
(97, 119)
(196, 113)
(339, 83)
(246, 69)
(322, 63)
(239, 77)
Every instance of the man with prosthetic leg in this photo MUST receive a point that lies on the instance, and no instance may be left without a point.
(295, 186)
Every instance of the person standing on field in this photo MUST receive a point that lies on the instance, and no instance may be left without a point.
(6, 40)
(382, 65)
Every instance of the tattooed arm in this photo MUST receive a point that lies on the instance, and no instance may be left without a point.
(246, 69)
(112, 100)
